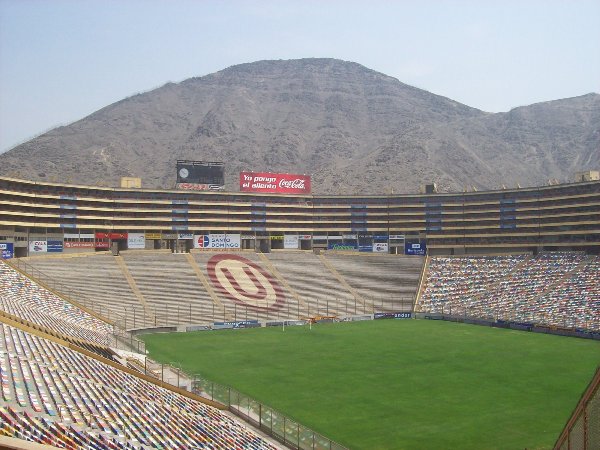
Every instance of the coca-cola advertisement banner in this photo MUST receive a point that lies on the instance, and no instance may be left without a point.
(280, 183)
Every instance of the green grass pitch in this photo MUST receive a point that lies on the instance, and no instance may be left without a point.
(400, 384)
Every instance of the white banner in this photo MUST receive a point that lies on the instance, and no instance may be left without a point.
(185, 236)
(380, 247)
(290, 241)
(136, 241)
(217, 241)
(38, 246)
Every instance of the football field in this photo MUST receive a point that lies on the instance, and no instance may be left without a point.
(399, 384)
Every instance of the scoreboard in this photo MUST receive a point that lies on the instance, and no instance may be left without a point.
(200, 175)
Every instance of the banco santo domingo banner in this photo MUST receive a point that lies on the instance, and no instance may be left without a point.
(278, 183)
(215, 241)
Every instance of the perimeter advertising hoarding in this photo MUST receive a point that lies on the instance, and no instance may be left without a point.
(45, 246)
(341, 247)
(77, 244)
(7, 250)
(415, 248)
(54, 246)
(392, 315)
(200, 175)
(380, 247)
(274, 183)
(38, 246)
(217, 241)
(136, 241)
(290, 241)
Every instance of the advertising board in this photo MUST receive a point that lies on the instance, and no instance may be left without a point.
(77, 244)
(217, 241)
(136, 241)
(392, 315)
(415, 248)
(274, 183)
(237, 324)
(7, 250)
(341, 247)
(38, 246)
(290, 241)
(380, 247)
(54, 246)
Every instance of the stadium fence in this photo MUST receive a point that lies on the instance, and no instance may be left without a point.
(582, 431)
(273, 423)
(545, 322)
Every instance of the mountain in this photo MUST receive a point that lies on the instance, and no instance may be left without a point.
(353, 129)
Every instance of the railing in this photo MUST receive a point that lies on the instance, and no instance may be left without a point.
(512, 313)
(275, 424)
(120, 338)
(582, 431)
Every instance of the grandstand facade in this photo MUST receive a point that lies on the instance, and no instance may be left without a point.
(84, 218)
(526, 258)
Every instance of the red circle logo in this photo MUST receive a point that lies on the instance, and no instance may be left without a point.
(244, 282)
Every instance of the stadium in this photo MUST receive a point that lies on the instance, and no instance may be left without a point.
(101, 285)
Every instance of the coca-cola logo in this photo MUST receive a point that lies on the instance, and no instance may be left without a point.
(298, 183)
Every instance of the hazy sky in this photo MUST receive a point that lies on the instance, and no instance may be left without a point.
(61, 60)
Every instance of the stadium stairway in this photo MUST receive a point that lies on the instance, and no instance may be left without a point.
(383, 282)
(172, 288)
(97, 282)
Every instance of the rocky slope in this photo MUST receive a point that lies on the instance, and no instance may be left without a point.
(353, 129)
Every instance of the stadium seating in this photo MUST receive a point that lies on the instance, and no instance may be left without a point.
(386, 282)
(52, 394)
(21, 297)
(236, 310)
(557, 289)
(170, 287)
(175, 295)
(321, 293)
(98, 280)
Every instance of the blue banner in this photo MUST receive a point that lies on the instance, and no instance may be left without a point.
(415, 248)
(55, 246)
(7, 250)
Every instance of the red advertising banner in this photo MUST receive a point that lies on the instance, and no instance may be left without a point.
(102, 244)
(117, 236)
(76, 244)
(280, 183)
(101, 235)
